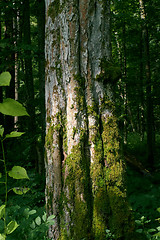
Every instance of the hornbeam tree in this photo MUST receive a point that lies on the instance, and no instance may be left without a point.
(84, 170)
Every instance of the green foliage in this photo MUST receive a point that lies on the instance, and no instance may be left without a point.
(10, 107)
(5, 79)
(144, 228)
(33, 223)
(109, 235)
(18, 173)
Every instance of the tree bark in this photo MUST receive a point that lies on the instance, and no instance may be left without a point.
(84, 170)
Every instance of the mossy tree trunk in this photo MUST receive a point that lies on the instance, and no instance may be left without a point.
(84, 171)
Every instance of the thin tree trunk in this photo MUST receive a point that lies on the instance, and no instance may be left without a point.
(29, 80)
(1, 96)
(149, 103)
(41, 74)
(141, 107)
(84, 171)
(10, 62)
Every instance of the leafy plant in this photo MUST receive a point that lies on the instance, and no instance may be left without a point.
(143, 228)
(12, 108)
(109, 235)
(34, 223)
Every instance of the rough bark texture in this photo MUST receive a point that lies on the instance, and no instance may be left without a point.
(84, 171)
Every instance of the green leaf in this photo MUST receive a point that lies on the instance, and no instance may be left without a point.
(138, 222)
(2, 210)
(0, 175)
(44, 217)
(32, 212)
(151, 230)
(33, 225)
(158, 209)
(1, 130)
(158, 228)
(50, 220)
(139, 230)
(20, 190)
(11, 227)
(18, 172)
(5, 79)
(157, 234)
(51, 217)
(12, 108)
(158, 219)
(14, 134)
(38, 221)
(2, 237)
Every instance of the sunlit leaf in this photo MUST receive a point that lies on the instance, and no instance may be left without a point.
(50, 220)
(20, 190)
(11, 227)
(38, 221)
(32, 212)
(2, 237)
(14, 134)
(12, 108)
(51, 217)
(2, 208)
(1, 130)
(139, 230)
(18, 172)
(151, 230)
(158, 219)
(33, 225)
(44, 217)
(5, 79)
(157, 234)
(138, 222)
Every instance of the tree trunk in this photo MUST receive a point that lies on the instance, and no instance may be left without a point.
(84, 171)
(41, 74)
(10, 62)
(149, 103)
(29, 80)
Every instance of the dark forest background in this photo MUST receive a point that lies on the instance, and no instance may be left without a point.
(136, 52)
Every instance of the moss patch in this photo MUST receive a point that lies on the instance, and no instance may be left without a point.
(79, 191)
(110, 72)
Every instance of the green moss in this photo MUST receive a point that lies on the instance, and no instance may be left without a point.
(80, 80)
(64, 134)
(51, 129)
(49, 194)
(49, 137)
(100, 213)
(120, 221)
(80, 91)
(79, 191)
(92, 110)
(54, 9)
(110, 72)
